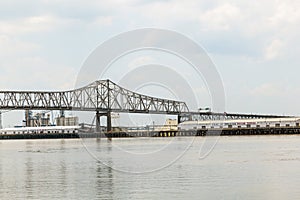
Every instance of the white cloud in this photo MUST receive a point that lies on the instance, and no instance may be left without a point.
(220, 18)
(268, 89)
(286, 12)
(142, 60)
(273, 50)
(21, 67)
(102, 21)
(13, 46)
(33, 24)
(35, 73)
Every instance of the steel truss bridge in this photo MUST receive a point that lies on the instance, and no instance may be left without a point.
(202, 116)
(104, 97)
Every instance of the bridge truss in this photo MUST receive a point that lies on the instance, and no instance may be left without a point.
(100, 96)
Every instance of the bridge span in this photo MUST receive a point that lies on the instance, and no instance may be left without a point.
(104, 97)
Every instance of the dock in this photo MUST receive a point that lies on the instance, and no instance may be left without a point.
(173, 133)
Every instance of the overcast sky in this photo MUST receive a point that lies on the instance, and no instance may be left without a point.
(254, 44)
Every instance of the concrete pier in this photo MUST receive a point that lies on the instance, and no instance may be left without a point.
(98, 116)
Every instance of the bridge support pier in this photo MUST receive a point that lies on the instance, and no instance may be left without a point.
(98, 115)
(108, 121)
(178, 119)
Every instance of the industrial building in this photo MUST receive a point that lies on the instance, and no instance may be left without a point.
(43, 119)
(66, 121)
(38, 119)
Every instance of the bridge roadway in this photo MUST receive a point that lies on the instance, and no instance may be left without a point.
(225, 116)
(104, 97)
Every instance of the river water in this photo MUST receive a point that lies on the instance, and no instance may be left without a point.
(237, 167)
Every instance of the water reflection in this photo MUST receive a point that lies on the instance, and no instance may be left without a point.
(104, 174)
(28, 170)
(62, 171)
(29, 177)
(62, 145)
(104, 182)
